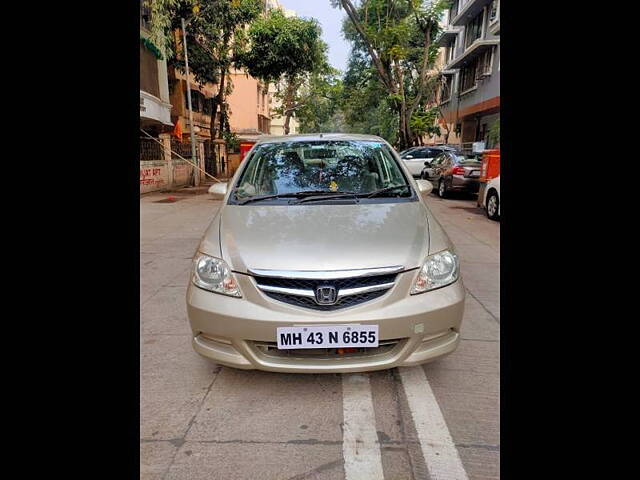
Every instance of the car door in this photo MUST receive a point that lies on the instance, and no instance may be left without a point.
(435, 169)
(414, 160)
(430, 157)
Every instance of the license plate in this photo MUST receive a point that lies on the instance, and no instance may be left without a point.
(335, 336)
(475, 173)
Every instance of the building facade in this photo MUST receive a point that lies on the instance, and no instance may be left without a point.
(249, 106)
(469, 96)
(155, 106)
(211, 152)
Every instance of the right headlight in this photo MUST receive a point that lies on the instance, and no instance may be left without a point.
(214, 274)
(438, 270)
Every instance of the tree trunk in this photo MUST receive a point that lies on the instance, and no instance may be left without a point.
(405, 131)
(220, 97)
(289, 103)
(218, 101)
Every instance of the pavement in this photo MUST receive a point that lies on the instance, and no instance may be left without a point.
(200, 420)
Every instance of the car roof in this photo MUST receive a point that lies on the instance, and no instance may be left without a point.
(315, 137)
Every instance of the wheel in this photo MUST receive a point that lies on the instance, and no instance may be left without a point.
(442, 188)
(493, 204)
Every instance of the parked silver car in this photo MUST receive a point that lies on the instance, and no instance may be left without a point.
(324, 258)
(453, 171)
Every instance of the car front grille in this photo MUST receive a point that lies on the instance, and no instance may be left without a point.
(308, 302)
(351, 291)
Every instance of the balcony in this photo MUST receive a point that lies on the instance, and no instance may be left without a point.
(154, 110)
(494, 27)
(467, 11)
(475, 50)
(446, 37)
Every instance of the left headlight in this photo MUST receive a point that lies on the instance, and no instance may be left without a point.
(438, 270)
(214, 274)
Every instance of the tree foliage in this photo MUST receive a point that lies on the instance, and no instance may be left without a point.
(397, 39)
(283, 46)
(216, 42)
(320, 103)
(287, 51)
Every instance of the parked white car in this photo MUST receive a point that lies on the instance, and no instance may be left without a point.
(491, 202)
(415, 158)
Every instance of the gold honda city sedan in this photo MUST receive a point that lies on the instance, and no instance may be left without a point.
(324, 258)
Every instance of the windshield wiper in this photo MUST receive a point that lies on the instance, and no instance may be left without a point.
(323, 195)
(257, 198)
(385, 190)
(302, 195)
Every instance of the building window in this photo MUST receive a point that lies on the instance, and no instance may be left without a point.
(149, 81)
(485, 63)
(197, 101)
(473, 30)
(446, 88)
(494, 11)
(453, 11)
(145, 15)
(450, 52)
(468, 76)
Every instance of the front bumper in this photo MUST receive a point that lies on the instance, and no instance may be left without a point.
(231, 331)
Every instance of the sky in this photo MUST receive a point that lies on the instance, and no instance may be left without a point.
(331, 21)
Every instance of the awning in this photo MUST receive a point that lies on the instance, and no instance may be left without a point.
(477, 48)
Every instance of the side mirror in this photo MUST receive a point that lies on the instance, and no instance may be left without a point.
(424, 187)
(408, 157)
(218, 190)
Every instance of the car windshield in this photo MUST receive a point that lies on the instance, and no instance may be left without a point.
(321, 168)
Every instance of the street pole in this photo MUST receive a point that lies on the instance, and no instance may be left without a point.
(186, 65)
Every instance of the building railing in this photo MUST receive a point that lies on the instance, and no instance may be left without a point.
(150, 150)
(181, 148)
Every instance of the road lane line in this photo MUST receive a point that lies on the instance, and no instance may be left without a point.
(360, 447)
(440, 454)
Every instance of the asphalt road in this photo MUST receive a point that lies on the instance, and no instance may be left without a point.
(199, 420)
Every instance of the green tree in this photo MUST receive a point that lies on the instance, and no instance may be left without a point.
(398, 38)
(320, 101)
(423, 122)
(365, 104)
(216, 41)
(286, 51)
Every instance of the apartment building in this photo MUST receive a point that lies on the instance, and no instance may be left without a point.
(249, 106)
(155, 106)
(469, 97)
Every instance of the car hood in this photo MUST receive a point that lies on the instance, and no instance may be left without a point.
(324, 237)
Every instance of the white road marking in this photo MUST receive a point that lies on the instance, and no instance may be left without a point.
(440, 454)
(360, 447)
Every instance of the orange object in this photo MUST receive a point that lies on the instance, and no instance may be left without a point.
(490, 165)
(177, 131)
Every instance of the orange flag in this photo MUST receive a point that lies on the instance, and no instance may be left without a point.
(177, 131)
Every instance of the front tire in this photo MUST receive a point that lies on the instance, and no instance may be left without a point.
(442, 188)
(493, 206)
